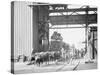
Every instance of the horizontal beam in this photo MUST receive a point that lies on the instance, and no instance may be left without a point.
(64, 27)
(73, 10)
(73, 19)
(48, 4)
(70, 27)
(63, 10)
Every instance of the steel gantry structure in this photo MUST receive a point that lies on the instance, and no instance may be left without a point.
(61, 14)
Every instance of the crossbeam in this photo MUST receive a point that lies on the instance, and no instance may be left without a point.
(73, 19)
(73, 27)
(73, 10)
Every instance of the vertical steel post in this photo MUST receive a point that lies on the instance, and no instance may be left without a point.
(12, 37)
(93, 55)
(86, 34)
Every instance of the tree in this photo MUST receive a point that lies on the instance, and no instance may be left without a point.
(55, 43)
(56, 36)
(65, 46)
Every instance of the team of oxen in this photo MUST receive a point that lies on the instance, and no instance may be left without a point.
(46, 58)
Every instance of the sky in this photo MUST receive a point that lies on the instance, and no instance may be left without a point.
(71, 36)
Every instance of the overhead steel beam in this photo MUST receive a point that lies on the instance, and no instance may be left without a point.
(64, 27)
(62, 10)
(48, 4)
(93, 29)
(73, 10)
(73, 19)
